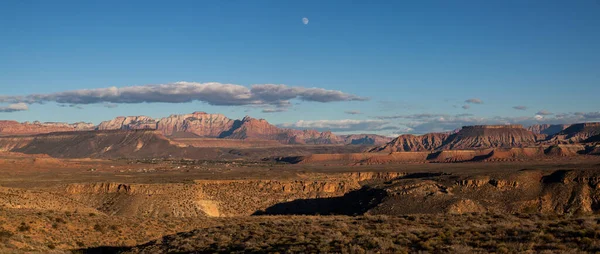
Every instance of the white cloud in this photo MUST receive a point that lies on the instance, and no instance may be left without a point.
(110, 105)
(353, 112)
(341, 125)
(305, 21)
(425, 123)
(544, 113)
(274, 110)
(180, 92)
(466, 107)
(474, 101)
(15, 107)
(520, 107)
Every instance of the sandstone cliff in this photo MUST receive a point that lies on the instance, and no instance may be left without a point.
(199, 123)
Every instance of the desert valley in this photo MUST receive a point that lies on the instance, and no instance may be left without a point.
(313, 126)
(206, 183)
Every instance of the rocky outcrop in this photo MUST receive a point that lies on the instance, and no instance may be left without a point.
(27, 128)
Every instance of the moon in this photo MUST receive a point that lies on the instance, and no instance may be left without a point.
(305, 21)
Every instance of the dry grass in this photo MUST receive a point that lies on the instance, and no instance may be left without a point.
(290, 234)
(429, 233)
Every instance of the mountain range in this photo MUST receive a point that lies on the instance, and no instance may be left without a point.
(218, 126)
(201, 125)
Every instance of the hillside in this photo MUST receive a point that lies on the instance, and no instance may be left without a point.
(95, 144)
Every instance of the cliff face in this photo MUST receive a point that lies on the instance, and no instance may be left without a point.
(199, 123)
(251, 128)
(412, 143)
(26, 128)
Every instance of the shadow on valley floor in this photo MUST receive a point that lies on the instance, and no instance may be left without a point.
(352, 203)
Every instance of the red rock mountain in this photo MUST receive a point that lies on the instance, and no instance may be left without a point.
(201, 124)
(413, 143)
(16, 128)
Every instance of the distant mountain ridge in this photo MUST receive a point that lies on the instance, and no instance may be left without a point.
(203, 124)
(8, 127)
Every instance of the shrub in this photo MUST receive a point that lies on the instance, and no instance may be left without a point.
(5, 235)
(99, 228)
(24, 227)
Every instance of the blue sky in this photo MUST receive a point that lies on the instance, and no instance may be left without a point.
(417, 62)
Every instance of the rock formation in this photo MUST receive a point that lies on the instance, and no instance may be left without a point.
(201, 124)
